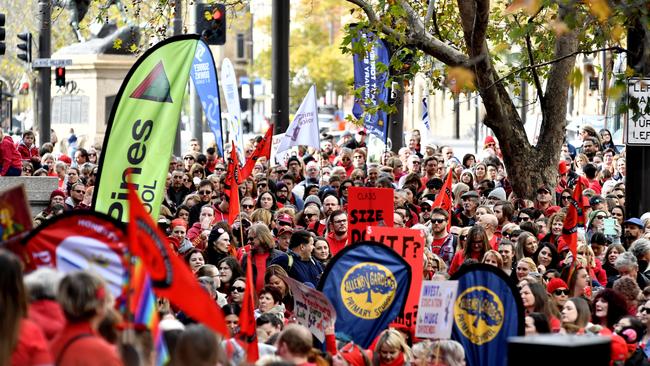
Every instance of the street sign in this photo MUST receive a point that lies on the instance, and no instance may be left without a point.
(638, 124)
(48, 62)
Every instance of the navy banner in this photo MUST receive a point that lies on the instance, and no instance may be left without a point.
(367, 284)
(204, 77)
(367, 76)
(487, 311)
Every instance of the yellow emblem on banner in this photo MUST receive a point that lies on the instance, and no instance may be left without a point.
(368, 289)
(479, 314)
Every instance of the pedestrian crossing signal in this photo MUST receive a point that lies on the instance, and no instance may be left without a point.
(60, 76)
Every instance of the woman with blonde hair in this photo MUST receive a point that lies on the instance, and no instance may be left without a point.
(391, 349)
(262, 215)
(492, 257)
(458, 190)
(432, 264)
(447, 352)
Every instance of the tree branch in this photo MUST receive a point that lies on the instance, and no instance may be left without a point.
(417, 36)
(531, 59)
(524, 68)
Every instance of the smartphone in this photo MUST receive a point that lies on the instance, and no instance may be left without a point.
(609, 226)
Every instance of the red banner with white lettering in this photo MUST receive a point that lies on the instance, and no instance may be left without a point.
(368, 207)
(409, 244)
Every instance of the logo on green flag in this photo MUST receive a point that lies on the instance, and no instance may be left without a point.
(155, 86)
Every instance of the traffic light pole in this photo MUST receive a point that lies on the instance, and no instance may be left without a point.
(45, 74)
(280, 65)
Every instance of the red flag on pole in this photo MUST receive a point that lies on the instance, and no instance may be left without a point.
(247, 327)
(231, 185)
(574, 217)
(170, 277)
(444, 199)
(263, 149)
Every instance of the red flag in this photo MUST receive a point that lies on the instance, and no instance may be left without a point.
(231, 185)
(263, 149)
(247, 326)
(444, 199)
(170, 277)
(574, 217)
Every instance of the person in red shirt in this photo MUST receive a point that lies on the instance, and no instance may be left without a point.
(27, 148)
(337, 236)
(12, 163)
(85, 301)
(22, 342)
(294, 345)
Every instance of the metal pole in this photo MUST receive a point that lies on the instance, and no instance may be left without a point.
(45, 74)
(396, 125)
(476, 123)
(178, 29)
(457, 116)
(251, 81)
(280, 64)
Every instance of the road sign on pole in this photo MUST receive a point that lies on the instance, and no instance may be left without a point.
(49, 62)
(638, 121)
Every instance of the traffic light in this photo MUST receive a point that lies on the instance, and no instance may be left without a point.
(3, 45)
(25, 46)
(59, 74)
(211, 23)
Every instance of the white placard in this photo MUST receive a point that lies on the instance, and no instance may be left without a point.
(436, 309)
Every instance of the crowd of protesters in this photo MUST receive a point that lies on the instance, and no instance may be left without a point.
(294, 219)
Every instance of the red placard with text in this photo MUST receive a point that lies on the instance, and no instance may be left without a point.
(368, 207)
(408, 243)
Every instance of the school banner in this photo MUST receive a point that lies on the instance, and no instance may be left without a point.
(206, 84)
(231, 94)
(311, 308)
(15, 217)
(409, 244)
(368, 207)
(367, 284)
(75, 241)
(436, 309)
(372, 82)
(142, 127)
(487, 311)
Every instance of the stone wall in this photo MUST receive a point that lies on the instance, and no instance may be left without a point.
(38, 190)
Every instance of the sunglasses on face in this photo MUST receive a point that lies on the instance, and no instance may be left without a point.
(247, 207)
(561, 291)
(644, 310)
(438, 221)
(566, 197)
(238, 289)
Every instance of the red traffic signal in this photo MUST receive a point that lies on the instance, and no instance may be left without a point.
(59, 74)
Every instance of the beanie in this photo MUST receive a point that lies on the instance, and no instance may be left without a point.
(555, 284)
(179, 222)
(57, 192)
(498, 193)
(313, 199)
(489, 140)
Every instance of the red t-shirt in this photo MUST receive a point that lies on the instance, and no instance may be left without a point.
(32, 348)
(90, 350)
(335, 244)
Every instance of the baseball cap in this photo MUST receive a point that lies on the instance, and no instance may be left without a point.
(634, 221)
(596, 200)
(285, 219)
(285, 230)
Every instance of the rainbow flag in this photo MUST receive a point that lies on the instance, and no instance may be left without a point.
(142, 306)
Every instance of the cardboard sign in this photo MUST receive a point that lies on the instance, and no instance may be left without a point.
(436, 309)
(409, 244)
(15, 217)
(311, 308)
(368, 207)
